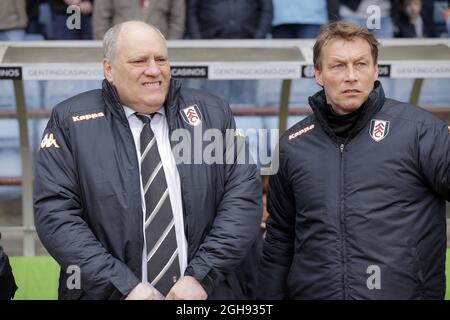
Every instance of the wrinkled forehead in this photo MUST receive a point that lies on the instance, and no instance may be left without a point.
(138, 40)
(345, 49)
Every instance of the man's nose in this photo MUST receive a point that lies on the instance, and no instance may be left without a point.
(152, 69)
(351, 74)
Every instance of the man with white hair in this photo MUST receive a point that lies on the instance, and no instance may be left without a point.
(111, 199)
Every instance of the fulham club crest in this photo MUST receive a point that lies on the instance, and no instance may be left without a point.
(379, 129)
(192, 115)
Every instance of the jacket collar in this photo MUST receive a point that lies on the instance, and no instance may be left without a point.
(114, 105)
(373, 104)
(172, 104)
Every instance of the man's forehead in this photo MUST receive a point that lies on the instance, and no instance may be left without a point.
(137, 27)
(342, 48)
(140, 48)
(146, 42)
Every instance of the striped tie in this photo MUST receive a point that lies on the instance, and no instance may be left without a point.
(162, 254)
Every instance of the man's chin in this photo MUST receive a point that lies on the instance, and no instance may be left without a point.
(348, 109)
(154, 104)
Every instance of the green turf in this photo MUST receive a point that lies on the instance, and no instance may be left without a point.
(447, 272)
(37, 278)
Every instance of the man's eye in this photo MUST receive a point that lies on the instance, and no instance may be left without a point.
(361, 64)
(337, 66)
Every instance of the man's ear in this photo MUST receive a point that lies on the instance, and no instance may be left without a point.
(376, 73)
(107, 70)
(318, 76)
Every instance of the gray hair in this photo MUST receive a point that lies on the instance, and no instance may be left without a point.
(110, 38)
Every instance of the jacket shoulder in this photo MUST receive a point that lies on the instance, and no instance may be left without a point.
(297, 130)
(207, 102)
(408, 112)
(193, 95)
(84, 102)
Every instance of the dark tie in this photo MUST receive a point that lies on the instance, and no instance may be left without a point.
(162, 254)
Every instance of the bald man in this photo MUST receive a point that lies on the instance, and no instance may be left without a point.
(123, 214)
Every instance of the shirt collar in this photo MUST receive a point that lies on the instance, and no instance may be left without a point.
(130, 112)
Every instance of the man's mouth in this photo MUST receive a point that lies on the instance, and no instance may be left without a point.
(350, 91)
(154, 84)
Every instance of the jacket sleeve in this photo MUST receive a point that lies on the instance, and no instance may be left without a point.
(8, 285)
(58, 210)
(237, 222)
(193, 24)
(101, 18)
(265, 19)
(434, 156)
(278, 245)
(177, 17)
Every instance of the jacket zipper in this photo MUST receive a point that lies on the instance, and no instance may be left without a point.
(342, 223)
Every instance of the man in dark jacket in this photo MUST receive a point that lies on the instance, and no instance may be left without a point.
(8, 285)
(223, 19)
(410, 23)
(357, 208)
(434, 17)
(123, 214)
(63, 13)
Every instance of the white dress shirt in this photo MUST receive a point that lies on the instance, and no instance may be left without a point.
(161, 130)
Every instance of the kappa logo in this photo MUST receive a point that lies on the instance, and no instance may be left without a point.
(90, 116)
(301, 132)
(379, 129)
(49, 141)
(192, 115)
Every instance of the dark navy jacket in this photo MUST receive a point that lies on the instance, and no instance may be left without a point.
(87, 198)
(8, 285)
(405, 29)
(225, 19)
(362, 218)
